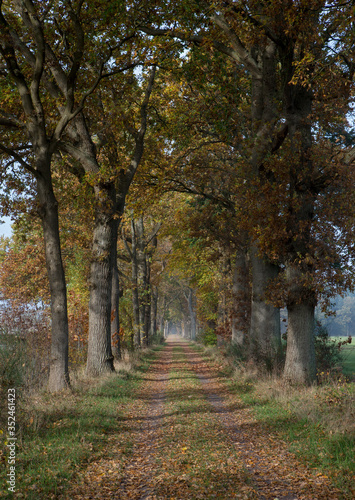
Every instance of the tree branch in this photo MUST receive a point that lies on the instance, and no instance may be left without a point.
(239, 53)
(18, 158)
(11, 123)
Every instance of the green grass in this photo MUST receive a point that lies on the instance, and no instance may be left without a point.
(349, 361)
(59, 434)
(348, 355)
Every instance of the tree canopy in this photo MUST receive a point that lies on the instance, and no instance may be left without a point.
(191, 163)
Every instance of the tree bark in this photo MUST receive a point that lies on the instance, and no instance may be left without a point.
(58, 370)
(166, 328)
(265, 318)
(148, 303)
(100, 358)
(115, 296)
(192, 314)
(301, 299)
(142, 280)
(300, 364)
(154, 311)
(265, 330)
(135, 294)
(241, 299)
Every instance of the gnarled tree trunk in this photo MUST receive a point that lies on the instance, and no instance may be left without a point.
(192, 313)
(301, 298)
(300, 364)
(142, 279)
(154, 311)
(135, 294)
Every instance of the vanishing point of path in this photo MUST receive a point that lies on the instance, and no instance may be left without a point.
(186, 436)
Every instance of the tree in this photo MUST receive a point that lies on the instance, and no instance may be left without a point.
(35, 153)
(282, 49)
(140, 247)
(90, 61)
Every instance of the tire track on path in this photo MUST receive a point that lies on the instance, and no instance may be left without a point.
(130, 475)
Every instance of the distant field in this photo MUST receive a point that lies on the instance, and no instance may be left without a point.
(349, 356)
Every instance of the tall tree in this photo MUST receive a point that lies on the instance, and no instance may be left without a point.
(90, 61)
(25, 69)
(285, 51)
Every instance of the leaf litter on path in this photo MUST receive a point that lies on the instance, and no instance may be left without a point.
(187, 437)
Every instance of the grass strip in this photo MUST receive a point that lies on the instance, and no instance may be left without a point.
(196, 460)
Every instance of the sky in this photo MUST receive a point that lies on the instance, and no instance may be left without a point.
(5, 228)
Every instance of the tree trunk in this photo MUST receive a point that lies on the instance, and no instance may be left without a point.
(192, 314)
(148, 300)
(241, 298)
(161, 324)
(154, 311)
(265, 330)
(265, 318)
(142, 281)
(300, 365)
(301, 298)
(135, 294)
(58, 371)
(115, 296)
(100, 358)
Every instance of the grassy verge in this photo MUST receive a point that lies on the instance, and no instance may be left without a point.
(59, 434)
(317, 422)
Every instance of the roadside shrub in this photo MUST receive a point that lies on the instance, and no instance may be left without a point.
(25, 354)
(12, 360)
(12, 369)
(239, 353)
(208, 337)
(158, 338)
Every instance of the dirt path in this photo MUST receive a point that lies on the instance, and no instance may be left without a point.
(187, 437)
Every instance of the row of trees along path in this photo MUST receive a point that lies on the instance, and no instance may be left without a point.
(187, 436)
